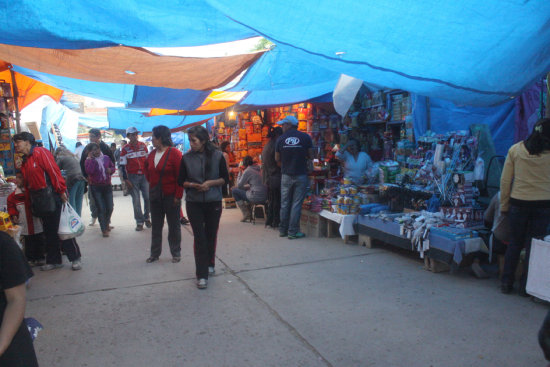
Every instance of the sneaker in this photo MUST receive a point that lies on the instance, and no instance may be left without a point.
(202, 283)
(148, 223)
(151, 259)
(48, 267)
(92, 221)
(184, 221)
(176, 259)
(77, 265)
(139, 227)
(296, 236)
(211, 270)
(283, 234)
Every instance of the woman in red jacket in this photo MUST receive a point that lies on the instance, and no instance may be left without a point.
(41, 172)
(162, 171)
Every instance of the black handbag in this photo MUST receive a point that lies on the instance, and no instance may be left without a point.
(43, 200)
(155, 192)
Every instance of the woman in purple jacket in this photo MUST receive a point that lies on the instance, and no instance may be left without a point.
(99, 168)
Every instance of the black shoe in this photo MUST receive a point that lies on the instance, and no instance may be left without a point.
(139, 227)
(148, 223)
(506, 289)
(151, 259)
(184, 221)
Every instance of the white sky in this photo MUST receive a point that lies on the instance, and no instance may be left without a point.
(215, 50)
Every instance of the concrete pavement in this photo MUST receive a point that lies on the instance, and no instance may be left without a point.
(272, 302)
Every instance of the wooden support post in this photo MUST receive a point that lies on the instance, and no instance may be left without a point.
(365, 240)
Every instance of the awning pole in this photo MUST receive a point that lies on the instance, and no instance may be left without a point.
(16, 101)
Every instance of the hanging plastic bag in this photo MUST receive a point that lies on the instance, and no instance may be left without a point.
(70, 224)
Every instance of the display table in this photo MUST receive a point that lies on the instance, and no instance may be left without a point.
(441, 248)
(346, 223)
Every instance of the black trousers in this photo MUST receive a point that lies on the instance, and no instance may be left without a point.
(20, 352)
(205, 221)
(35, 246)
(159, 210)
(53, 249)
(273, 206)
(528, 223)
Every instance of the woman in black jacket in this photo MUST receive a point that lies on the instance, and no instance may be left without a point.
(203, 172)
(271, 173)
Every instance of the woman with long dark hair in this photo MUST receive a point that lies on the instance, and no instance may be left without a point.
(203, 172)
(525, 197)
(161, 170)
(48, 192)
(271, 174)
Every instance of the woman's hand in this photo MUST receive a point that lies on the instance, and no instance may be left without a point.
(177, 201)
(64, 198)
(205, 186)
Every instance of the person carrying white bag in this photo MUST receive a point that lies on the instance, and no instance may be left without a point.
(70, 224)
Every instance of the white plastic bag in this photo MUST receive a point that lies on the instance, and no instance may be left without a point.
(538, 282)
(70, 224)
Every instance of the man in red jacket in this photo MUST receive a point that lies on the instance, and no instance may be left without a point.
(132, 167)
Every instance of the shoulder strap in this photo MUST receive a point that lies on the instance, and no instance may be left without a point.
(164, 165)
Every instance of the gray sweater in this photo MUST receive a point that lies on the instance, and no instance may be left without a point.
(252, 176)
(71, 165)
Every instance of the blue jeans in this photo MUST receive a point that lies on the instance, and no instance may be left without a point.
(103, 197)
(238, 194)
(528, 223)
(140, 184)
(76, 194)
(293, 193)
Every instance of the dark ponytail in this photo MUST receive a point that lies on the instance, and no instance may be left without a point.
(539, 140)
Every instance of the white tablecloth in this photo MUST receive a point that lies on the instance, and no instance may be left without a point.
(346, 221)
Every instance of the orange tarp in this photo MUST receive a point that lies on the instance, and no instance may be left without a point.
(130, 65)
(29, 89)
(217, 101)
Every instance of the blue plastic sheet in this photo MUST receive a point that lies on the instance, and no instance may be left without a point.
(65, 119)
(114, 92)
(86, 24)
(133, 96)
(282, 69)
(469, 52)
(446, 116)
(288, 96)
(174, 99)
(121, 118)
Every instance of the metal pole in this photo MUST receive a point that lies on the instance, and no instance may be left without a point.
(16, 102)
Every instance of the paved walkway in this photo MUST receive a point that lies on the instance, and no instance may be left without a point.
(273, 302)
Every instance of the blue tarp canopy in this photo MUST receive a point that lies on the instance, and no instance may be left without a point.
(121, 118)
(469, 52)
(446, 116)
(82, 24)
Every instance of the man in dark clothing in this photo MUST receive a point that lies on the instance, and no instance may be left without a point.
(293, 151)
(95, 137)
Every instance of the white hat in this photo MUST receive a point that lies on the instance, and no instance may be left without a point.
(131, 130)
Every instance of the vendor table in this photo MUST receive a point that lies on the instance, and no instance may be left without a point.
(441, 248)
(346, 222)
